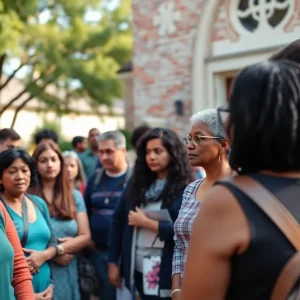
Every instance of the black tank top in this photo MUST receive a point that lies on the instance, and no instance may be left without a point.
(255, 271)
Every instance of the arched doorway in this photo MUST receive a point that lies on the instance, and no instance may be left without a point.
(233, 34)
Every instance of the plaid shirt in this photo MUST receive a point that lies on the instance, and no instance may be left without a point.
(183, 226)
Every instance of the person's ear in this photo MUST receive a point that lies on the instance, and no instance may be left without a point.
(224, 146)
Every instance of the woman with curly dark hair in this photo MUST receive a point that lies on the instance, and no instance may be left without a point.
(142, 241)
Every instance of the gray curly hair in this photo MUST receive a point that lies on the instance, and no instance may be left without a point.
(211, 118)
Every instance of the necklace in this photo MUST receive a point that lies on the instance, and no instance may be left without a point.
(112, 193)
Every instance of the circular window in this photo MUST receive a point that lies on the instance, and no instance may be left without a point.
(255, 13)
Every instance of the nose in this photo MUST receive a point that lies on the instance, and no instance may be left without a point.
(20, 175)
(49, 163)
(190, 146)
(103, 156)
(152, 155)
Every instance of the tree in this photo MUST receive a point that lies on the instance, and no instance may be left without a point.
(61, 54)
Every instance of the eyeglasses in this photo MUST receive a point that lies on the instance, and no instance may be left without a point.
(196, 139)
(223, 112)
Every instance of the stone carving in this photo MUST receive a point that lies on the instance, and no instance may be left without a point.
(256, 15)
(166, 18)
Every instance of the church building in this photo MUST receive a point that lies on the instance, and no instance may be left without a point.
(187, 52)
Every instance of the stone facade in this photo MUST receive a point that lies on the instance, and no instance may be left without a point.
(187, 49)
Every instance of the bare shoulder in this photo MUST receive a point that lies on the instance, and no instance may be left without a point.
(223, 219)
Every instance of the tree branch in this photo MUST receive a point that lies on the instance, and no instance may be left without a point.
(12, 75)
(50, 70)
(25, 102)
(18, 109)
(2, 59)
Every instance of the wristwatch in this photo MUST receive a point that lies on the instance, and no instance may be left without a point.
(60, 250)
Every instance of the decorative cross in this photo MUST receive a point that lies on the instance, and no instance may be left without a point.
(262, 10)
(166, 18)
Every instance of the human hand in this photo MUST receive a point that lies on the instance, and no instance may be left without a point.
(64, 260)
(48, 293)
(137, 218)
(38, 296)
(65, 239)
(45, 295)
(35, 259)
(114, 275)
(92, 246)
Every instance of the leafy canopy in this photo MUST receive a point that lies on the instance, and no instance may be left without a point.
(62, 52)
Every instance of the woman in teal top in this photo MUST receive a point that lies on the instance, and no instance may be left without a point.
(68, 218)
(39, 235)
(30, 216)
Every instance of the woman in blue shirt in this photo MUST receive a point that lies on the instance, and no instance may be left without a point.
(68, 218)
(143, 244)
(30, 216)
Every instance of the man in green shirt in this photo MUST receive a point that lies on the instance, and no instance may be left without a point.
(90, 158)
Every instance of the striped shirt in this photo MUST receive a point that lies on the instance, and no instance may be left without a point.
(101, 203)
(183, 226)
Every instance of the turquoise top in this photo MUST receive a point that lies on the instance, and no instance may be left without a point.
(6, 264)
(66, 277)
(39, 235)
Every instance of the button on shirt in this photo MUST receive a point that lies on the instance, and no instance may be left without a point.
(101, 204)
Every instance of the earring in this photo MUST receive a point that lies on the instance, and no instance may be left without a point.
(219, 158)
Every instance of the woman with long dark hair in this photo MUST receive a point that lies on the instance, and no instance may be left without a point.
(68, 217)
(237, 250)
(160, 176)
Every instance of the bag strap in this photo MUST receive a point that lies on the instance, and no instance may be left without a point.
(287, 279)
(25, 223)
(25, 220)
(98, 177)
(281, 217)
(99, 174)
(271, 206)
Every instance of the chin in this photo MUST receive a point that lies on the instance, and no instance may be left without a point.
(194, 163)
(155, 170)
(49, 177)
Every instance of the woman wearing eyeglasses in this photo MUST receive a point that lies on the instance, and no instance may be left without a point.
(207, 147)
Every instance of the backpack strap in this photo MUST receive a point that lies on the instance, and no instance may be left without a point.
(287, 224)
(100, 172)
(98, 177)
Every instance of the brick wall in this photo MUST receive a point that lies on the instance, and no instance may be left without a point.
(163, 64)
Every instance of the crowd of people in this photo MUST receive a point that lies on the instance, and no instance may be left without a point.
(97, 221)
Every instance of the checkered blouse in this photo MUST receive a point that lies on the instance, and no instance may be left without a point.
(183, 226)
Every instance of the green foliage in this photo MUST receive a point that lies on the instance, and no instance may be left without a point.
(60, 47)
(65, 145)
(128, 135)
